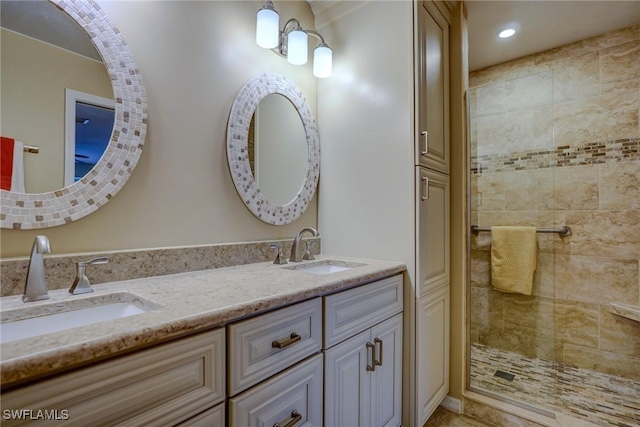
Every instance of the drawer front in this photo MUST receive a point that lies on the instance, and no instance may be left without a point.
(264, 345)
(163, 385)
(350, 312)
(214, 417)
(294, 397)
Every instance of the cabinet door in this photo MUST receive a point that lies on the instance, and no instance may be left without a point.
(433, 351)
(432, 239)
(214, 417)
(347, 383)
(433, 88)
(386, 379)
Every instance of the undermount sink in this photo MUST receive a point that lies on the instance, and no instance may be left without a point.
(30, 321)
(325, 267)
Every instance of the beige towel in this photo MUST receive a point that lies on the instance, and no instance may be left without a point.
(513, 259)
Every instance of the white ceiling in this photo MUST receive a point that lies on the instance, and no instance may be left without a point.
(543, 25)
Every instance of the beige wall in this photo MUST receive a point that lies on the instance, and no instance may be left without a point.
(555, 139)
(194, 57)
(34, 78)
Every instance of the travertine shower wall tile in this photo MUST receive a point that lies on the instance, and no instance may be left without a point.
(576, 323)
(529, 129)
(487, 100)
(576, 77)
(601, 233)
(487, 309)
(528, 190)
(620, 67)
(602, 361)
(501, 72)
(529, 92)
(620, 185)
(589, 45)
(490, 196)
(596, 280)
(489, 134)
(576, 188)
(619, 334)
(480, 269)
(602, 118)
(543, 282)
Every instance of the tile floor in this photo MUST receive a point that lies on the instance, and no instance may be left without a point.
(604, 400)
(444, 418)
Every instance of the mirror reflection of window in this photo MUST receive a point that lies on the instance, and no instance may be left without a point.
(88, 126)
(281, 152)
(94, 125)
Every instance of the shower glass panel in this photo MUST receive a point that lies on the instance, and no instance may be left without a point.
(513, 335)
(552, 144)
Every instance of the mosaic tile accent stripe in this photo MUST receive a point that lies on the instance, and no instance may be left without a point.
(604, 400)
(238, 154)
(621, 150)
(35, 211)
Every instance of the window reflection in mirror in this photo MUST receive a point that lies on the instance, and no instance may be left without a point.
(278, 152)
(44, 52)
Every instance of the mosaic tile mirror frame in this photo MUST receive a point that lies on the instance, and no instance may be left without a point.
(42, 210)
(242, 111)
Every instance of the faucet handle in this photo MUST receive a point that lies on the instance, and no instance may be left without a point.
(307, 253)
(280, 258)
(99, 260)
(81, 284)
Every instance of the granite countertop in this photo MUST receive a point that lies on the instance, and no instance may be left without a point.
(180, 304)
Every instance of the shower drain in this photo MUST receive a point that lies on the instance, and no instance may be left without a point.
(504, 375)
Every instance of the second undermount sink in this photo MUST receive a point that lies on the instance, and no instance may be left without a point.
(30, 321)
(325, 267)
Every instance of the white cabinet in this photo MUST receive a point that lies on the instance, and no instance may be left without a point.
(432, 109)
(263, 345)
(294, 397)
(433, 348)
(160, 386)
(363, 373)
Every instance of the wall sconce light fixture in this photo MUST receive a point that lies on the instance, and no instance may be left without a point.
(291, 41)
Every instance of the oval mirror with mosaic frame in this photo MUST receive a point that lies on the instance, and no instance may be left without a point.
(238, 153)
(106, 179)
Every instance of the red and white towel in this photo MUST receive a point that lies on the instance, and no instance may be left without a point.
(11, 165)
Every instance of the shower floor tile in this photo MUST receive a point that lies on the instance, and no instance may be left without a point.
(601, 399)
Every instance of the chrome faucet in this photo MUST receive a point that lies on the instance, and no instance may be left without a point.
(295, 256)
(35, 288)
(81, 284)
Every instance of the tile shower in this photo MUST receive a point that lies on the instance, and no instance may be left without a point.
(555, 140)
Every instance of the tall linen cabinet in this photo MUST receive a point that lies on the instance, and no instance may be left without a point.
(384, 123)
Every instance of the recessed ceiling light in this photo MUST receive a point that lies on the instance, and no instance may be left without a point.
(505, 34)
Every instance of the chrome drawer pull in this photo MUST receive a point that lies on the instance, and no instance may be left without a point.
(371, 367)
(294, 338)
(424, 189)
(379, 361)
(295, 417)
(425, 140)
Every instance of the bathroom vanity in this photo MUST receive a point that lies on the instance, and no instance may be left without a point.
(313, 343)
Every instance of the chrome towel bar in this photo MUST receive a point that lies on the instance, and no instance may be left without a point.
(563, 231)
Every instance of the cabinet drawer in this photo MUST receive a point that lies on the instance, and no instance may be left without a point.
(159, 386)
(264, 345)
(295, 394)
(353, 311)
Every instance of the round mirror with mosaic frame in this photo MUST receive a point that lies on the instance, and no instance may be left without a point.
(238, 152)
(75, 201)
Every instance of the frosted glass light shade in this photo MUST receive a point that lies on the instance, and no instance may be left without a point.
(267, 28)
(322, 61)
(297, 47)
